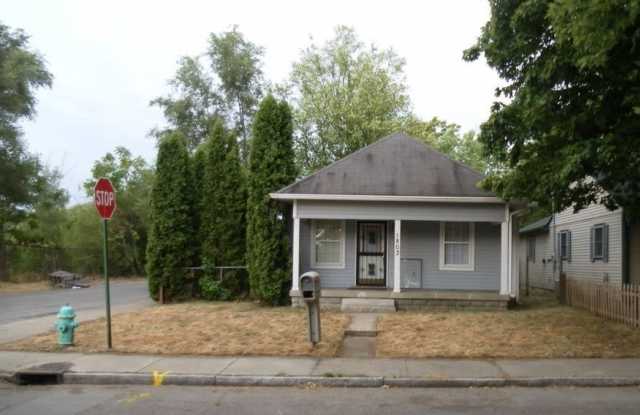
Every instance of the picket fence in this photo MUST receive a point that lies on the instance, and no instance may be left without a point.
(619, 303)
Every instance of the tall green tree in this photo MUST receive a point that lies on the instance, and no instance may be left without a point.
(22, 72)
(237, 64)
(567, 126)
(198, 166)
(132, 178)
(225, 82)
(346, 95)
(192, 105)
(271, 167)
(222, 226)
(171, 230)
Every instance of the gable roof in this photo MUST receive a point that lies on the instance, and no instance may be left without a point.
(539, 225)
(397, 165)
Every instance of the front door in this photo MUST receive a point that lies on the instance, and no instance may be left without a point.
(371, 254)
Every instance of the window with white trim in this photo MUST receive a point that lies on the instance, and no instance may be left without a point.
(457, 246)
(600, 242)
(327, 243)
(531, 248)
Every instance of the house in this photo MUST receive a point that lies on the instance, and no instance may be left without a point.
(595, 244)
(400, 221)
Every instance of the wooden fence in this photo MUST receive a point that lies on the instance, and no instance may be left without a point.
(615, 302)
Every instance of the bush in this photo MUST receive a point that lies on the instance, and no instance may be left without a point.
(212, 289)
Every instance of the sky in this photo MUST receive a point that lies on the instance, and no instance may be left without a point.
(110, 58)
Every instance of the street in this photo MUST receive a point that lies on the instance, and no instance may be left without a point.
(69, 399)
(24, 314)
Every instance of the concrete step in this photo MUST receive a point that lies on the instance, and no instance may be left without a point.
(368, 305)
(362, 325)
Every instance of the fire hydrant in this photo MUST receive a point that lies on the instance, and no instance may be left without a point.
(65, 325)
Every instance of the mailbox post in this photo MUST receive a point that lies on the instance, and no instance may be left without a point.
(310, 287)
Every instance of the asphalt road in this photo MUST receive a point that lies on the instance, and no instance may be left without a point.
(89, 400)
(21, 306)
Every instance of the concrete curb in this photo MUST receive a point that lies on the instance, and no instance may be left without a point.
(107, 378)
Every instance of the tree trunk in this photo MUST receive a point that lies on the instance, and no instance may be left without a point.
(4, 268)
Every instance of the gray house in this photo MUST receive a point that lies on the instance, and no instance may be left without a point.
(594, 244)
(400, 221)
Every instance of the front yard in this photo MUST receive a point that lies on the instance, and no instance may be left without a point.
(539, 328)
(202, 328)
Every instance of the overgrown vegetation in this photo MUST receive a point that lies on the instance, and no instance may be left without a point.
(271, 167)
(171, 231)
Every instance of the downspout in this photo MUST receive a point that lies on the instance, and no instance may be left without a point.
(510, 255)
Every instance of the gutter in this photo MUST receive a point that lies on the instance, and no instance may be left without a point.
(387, 198)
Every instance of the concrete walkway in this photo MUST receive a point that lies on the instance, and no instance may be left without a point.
(360, 337)
(274, 371)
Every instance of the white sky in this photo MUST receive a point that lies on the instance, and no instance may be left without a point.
(110, 58)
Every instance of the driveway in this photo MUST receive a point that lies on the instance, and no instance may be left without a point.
(25, 314)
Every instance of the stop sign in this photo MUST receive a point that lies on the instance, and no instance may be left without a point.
(105, 198)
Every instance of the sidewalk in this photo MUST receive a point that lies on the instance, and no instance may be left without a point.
(369, 372)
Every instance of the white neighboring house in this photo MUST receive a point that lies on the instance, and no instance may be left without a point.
(594, 244)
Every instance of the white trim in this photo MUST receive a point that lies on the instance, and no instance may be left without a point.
(296, 253)
(388, 198)
(504, 258)
(337, 265)
(471, 266)
(397, 239)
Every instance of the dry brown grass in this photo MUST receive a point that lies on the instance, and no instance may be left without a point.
(23, 287)
(540, 328)
(202, 328)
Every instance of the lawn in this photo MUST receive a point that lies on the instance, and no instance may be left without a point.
(23, 287)
(539, 328)
(203, 328)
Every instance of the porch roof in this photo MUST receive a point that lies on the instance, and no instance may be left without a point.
(397, 166)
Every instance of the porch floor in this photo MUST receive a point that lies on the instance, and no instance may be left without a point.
(411, 298)
(409, 294)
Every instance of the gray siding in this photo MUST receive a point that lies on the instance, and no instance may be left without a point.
(580, 225)
(541, 267)
(330, 277)
(420, 240)
(463, 212)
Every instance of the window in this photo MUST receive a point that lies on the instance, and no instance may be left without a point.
(457, 246)
(531, 248)
(564, 245)
(600, 242)
(327, 244)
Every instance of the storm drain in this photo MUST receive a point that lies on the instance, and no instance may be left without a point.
(47, 374)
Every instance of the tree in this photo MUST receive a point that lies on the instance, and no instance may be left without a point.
(568, 129)
(133, 180)
(271, 167)
(198, 166)
(22, 71)
(227, 85)
(346, 96)
(193, 104)
(171, 230)
(223, 220)
(446, 138)
(237, 64)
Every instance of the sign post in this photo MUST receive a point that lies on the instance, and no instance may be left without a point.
(105, 200)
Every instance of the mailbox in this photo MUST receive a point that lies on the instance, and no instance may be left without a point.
(310, 288)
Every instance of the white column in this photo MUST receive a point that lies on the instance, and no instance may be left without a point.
(396, 255)
(296, 248)
(504, 258)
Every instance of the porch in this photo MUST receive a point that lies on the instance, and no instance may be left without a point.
(428, 255)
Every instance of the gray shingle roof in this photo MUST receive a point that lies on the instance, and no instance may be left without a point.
(539, 225)
(397, 165)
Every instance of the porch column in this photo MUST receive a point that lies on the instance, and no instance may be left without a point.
(296, 249)
(504, 258)
(396, 255)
